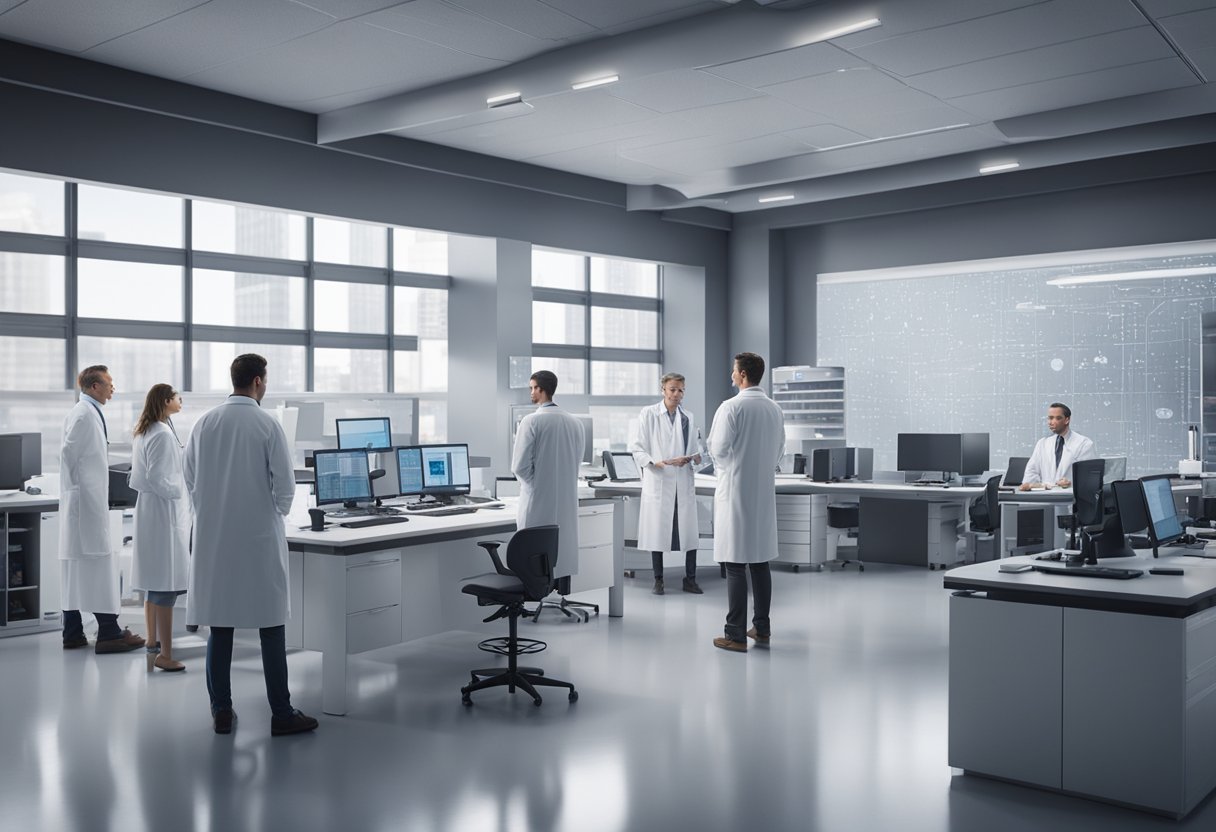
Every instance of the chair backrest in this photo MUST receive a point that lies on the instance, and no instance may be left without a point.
(531, 557)
(1087, 491)
(1133, 511)
(986, 513)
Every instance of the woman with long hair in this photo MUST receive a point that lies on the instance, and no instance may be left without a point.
(162, 521)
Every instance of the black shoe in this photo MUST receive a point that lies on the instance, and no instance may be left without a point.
(73, 643)
(690, 585)
(191, 628)
(224, 720)
(658, 587)
(297, 723)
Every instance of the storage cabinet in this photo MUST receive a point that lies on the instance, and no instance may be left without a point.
(21, 572)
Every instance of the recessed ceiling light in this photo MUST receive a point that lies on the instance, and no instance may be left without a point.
(780, 198)
(1143, 274)
(505, 98)
(998, 168)
(597, 82)
(859, 26)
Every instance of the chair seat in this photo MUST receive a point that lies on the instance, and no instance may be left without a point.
(843, 515)
(503, 589)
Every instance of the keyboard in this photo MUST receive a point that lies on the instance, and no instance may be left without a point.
(372, 521)
(1090, 571)
(448, 512)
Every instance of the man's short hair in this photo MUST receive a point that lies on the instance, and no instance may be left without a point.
(245, 368)
(91, 375)
(1062, 406)
(546, 380)
(751, 365)
(671, 377)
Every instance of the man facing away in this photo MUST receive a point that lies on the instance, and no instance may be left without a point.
(746, 442)
(1051, 462)
(239, 474)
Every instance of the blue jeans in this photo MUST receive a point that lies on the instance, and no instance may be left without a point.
(274, 668)
(107, 626)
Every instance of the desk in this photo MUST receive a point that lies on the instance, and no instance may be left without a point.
(1099, 688)
(354, 590)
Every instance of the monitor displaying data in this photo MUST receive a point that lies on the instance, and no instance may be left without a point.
(409, 471)
(342, 476)
(1162, 514)
(445, 469)
(372, 434)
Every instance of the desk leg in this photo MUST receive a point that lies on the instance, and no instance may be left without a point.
(330, 592)
(616, 592)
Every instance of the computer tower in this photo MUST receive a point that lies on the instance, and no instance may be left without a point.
(20, 459)
(828, 464)
(859, 464)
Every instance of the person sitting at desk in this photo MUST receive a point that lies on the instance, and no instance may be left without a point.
(1051, 462)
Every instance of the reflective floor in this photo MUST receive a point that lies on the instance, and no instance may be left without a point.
(840, 725)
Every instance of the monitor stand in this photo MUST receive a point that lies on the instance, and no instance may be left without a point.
(352, 508)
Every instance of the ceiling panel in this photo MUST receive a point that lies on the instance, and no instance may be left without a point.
(76, 25)
(787, 65)
(440, 23)
(710, 153)
(603, 162)
(5, 5)
(906, 16)
(751, 116)
(1078, 89)
(826, 135)
(1128, 46)
(622, 136)
(682, 89)
(999, 34)
(882, 125)
(820, 92)
(531, 17)
(208, 35)
(1195, 34)
(625, 12)
(346, 9)
(1164, 8)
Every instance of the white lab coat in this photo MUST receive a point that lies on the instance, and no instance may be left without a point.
(162, 512)
(548, 451)
(1042, 465)
(88, 575)
(665, 489)
(241, 482)
(746, 442)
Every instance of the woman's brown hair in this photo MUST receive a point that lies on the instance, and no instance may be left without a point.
(156, 407)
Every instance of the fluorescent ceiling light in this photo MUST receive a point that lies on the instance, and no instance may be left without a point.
(1144, 274)
(890, 138)
(597, 82)
(781, 198)
(998, 168)
(859, 26)
(505, 98)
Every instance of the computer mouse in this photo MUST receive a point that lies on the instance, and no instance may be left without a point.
(33, 490)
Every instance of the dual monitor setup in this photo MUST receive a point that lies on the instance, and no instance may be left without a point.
(965, 454)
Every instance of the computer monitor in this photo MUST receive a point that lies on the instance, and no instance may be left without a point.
(974, 454)
(1097, 514)
(859, 464)
(445, 470)
(588, 424)
(371, 434)
(409, 471)
(929, 452)
(1015, 470)
(20, 459)
(342, 476)
(1133, 511)
(1164, 527)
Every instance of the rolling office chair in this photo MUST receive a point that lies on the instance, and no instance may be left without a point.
(985, 513)
(571, 609)
(844, 520)
(528, 576)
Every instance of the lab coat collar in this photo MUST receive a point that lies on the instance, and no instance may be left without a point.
(233, 398)
(751, 391)
(86, 397)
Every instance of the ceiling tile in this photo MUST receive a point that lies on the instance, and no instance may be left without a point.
(346, 9)
(917, 15)
(681, 89)
(626, 12)
(999, 34)
(220, 31)
(1128, 46)
(1165, 8)
(604, 163)
(787, 65)
(751, 116)
(440, 23)
(5, 5)
(76, 25)
(881, 123)
(531, 17)
(1078, 89)
(710, 153)
(826, 135)
(820, 91)
(1195, 34)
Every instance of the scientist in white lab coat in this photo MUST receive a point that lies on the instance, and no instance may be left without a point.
(1051, 462)
(548, 451)
(241, 482)
(88, 576)
(666, 450)
(746, 443)
(161, 563)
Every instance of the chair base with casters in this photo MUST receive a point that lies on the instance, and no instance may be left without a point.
(531, 556)
(844, 520)
(571, 609)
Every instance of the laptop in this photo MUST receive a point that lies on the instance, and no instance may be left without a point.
(1014, 472)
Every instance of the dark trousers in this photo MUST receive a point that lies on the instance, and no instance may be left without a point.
(107, 626)
(736, 594)
(274, 668)
(690, 563)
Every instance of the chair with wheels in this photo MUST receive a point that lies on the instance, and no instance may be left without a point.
(985, 513)
(844, 520)
(571, 609)
(527, 576)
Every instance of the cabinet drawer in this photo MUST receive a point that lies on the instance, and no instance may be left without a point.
(374, 583)
(802, 524)
(595, 529)
(799, 537)
(373, 628)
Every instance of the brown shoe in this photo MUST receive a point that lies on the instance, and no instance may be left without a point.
(730, 644)
(759, 639)
(73, 643)
(125, 643)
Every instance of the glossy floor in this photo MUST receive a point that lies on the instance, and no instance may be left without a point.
(840, 725)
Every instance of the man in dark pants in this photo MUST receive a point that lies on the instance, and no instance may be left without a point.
(745, 444)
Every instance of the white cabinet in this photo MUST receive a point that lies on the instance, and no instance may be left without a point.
(595, 547)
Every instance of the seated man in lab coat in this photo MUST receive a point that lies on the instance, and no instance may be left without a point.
(746, 442)
(88, 577)
(548, 451)
(238, 471)
(1050, 465)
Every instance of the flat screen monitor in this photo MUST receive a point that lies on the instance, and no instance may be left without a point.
(20, 459)
(588, 437)
(621, 466)
(371, 434)
(409, 471)
(1015, 470)
(445, 469)
(929, 452)
(1164, 527)
(342, 477)
(974, 454)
